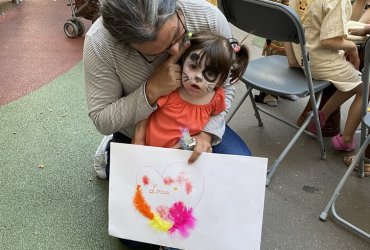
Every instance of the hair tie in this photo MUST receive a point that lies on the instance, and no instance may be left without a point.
(236, 48)
(234, 45)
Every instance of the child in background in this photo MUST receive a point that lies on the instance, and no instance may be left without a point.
(332, 58)
(362, 16)
(214, 2)
(273, 47)
(207, 65)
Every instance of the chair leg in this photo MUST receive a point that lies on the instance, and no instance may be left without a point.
(256, 112)
(315, 105)
(231, 114)
(300, 131)
(331, 203)
(274, 166)
(319, 134)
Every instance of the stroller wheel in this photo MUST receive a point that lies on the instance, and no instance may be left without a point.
(71, 29)
(80, 26)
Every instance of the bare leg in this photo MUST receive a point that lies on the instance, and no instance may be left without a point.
(354, 116)
(354, 113)
(335, 101)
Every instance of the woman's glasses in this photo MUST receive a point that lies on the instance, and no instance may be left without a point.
(181, 38)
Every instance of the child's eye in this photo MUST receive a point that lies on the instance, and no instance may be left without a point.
(210, 75)
(192, 66)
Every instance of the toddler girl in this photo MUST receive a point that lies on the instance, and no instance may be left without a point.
(210, 61)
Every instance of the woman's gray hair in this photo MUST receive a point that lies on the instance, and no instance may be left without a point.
(135, 21)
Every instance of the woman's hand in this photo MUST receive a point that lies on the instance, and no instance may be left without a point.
(165, 79)
(203, 144)
(360, 31)
(357, 31)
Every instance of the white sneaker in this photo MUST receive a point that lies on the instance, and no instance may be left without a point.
(101, 157)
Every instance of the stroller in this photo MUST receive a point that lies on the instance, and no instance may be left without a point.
(88, 9)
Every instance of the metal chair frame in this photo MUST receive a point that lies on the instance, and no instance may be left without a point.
(272, 74)
(359, 158)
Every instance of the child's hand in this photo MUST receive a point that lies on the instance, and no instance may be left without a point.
(203, 144)
(138, 141)
(177, 146)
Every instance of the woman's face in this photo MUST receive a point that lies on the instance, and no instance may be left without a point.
(198, 78)
(170, 38)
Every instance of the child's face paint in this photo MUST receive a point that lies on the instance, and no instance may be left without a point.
(198, 79)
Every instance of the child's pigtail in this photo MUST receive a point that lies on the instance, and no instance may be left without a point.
(240, 62)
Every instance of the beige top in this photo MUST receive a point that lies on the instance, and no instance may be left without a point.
(324, 19)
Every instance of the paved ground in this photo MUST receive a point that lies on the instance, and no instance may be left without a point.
(50, 198)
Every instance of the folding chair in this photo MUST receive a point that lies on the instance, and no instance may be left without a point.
(272, 74)
(359, 158)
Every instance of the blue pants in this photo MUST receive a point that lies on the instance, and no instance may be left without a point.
(231, 144)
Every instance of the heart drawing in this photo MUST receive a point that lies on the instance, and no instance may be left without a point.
(168, 199)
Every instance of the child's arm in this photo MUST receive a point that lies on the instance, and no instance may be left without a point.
(140, 131)
(292, 61)
(338, 43)
(350, 48)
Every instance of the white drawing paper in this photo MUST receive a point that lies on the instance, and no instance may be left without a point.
(155, 196)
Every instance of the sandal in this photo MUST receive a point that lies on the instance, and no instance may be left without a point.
(348, 160)
(338, 143)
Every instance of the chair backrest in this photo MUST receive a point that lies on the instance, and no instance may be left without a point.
(270, 20)
(265, 19)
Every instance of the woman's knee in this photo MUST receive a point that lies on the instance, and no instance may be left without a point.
(232, 143)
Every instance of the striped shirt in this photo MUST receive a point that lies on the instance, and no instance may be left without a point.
(115, 76)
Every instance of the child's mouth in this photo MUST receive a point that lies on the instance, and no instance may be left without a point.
(195, 86)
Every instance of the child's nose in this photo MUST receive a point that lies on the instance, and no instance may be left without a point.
(198, 79)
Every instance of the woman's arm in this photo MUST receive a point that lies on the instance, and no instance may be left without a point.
(108, 109)
(358, 9)
(365, 18)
